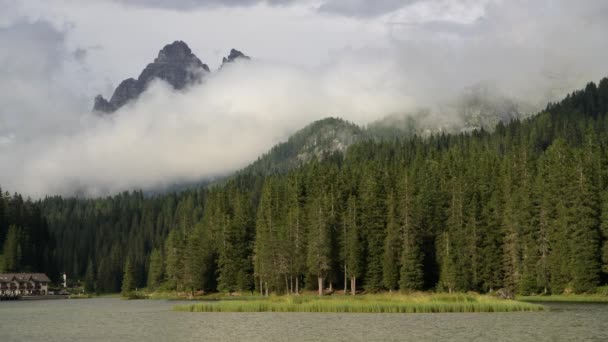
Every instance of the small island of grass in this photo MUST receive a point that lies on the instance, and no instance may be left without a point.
(370, 303)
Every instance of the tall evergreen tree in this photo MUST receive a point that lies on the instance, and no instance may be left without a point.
(128, 281)
(12, 250)
(155, 270)
(352, 245)
(89, 279)
(319, 241)
(392, 247)
(175, 252)
(411, 275)
(372, 220)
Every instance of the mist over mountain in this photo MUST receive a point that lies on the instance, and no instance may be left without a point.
(419, 67)
(233, 56)
(476, 108)
(175, 64)
(319, 140)
(479, 107)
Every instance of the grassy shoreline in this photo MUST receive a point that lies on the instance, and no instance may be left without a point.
(571, 298)
(372, 303)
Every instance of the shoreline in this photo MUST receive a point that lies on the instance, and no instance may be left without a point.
(571, 298)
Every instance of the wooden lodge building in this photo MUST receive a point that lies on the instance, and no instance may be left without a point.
(24, 284)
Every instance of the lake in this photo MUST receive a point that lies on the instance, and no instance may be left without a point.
(112, 319)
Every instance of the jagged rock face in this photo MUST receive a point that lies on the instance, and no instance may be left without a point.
(233, 56)
(102, 105)
(127, 90)
(175, 64)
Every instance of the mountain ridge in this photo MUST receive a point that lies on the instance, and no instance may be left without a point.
(175, 64)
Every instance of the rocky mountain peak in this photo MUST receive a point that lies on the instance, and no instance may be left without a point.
(233, 56)
(175, 64)
(174, 52)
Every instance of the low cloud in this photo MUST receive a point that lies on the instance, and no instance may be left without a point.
(428, 55)
(36, 90)
(169, 136)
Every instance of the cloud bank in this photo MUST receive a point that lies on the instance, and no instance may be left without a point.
(384, 59)
(169, 136)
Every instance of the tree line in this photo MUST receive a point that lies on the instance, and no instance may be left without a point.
(523, 208)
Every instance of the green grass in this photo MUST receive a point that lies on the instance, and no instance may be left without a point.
(172, 295)
(379, 303)
(573, 298)
(600, 295)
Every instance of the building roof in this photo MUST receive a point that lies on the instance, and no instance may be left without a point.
(36, 277)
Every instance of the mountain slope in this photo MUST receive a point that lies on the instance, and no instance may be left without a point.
(317, 140)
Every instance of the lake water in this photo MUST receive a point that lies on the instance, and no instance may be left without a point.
(110, 319)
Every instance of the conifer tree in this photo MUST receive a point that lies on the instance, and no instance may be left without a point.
(194, 263)
(584, 236)
(128, 281)
(411, 275)
(352, 245)
(372, 220)
(89, 279)
(174, 252)
(155, 270)
(265, 244)
(12, 251)
(297, 233)
(319, 241)
(557, 195)
(392, 247)
(234, 262)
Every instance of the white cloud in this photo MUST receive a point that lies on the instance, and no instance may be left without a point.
(307, 65)
(210, 129)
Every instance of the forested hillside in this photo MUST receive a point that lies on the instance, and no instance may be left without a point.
(318, 140)
(524, 208)
(520, 208)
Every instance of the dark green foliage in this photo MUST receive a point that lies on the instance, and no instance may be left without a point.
(319, 240)
(604, 232)
(235, 268)
(352, 247)
(128, 282)
(156, 270)
(372, 216)
(12, 250)
(89, 278)
(25, 241)
(175, 254)
(411, 276)
(393, 246)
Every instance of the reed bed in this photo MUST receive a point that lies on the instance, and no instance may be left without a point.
(572, 298)
(382, 303)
